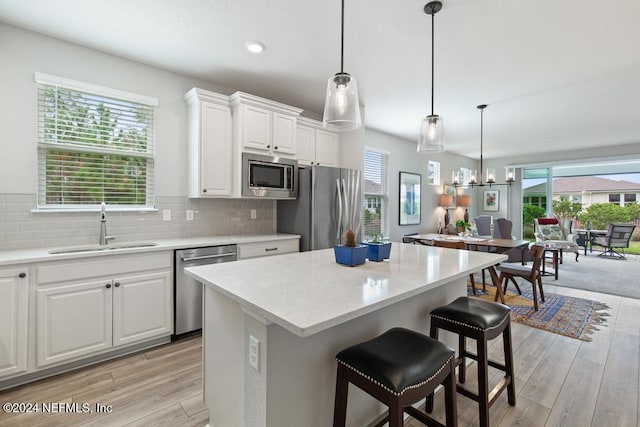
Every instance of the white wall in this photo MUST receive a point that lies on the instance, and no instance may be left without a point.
(403, 157)
(26, 52)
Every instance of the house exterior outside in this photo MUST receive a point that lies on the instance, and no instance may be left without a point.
(587, 190)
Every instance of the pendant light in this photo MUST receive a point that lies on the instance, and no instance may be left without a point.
(341, 106)
(432, 129)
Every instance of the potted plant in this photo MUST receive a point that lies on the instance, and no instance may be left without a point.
(378, 249)
(349, 253)
(462, 225)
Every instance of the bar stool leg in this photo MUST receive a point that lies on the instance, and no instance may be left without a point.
(396, 414)
(508, 363)
(450, 397)
(483, 381)
(340, 405)
(462, 360)
(428, 403)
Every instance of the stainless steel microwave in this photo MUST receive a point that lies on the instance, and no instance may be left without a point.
(269, 177)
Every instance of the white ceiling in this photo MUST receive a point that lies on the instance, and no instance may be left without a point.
(557, 75)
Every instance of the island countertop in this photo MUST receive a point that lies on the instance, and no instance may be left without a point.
(308, 292)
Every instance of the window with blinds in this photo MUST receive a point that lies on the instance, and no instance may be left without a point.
(376, 193)
(94, 145)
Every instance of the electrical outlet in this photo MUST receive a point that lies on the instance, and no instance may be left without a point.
(254, 352)
(166, 215)
(189, 215)
(253, 214)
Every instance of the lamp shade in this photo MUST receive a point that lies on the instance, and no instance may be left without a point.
(463, 200)
(445, 200)
(342, 106)
(431, 135)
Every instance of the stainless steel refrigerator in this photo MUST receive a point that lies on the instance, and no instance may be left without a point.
(315, 214)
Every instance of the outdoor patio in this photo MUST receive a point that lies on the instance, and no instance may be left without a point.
(598, 274)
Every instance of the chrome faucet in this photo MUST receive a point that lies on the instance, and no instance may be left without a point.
(103, 225)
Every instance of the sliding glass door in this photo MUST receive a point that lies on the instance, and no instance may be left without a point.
(536, 197)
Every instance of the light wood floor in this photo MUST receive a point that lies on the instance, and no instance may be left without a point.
(559, 381)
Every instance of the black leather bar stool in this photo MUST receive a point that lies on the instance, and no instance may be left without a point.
(481, 321)
(399, 368)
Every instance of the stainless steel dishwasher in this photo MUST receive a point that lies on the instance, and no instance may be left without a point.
(188, 291)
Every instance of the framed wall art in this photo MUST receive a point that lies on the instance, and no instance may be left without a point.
(491, 200)
(409, 198)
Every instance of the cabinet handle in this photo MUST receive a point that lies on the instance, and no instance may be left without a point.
(268, 146)
(117, 284)
(204, 190)
(22, 275)
(108, 285)
(311, 162)
(317, 164)
(275, 148)
(270, 249)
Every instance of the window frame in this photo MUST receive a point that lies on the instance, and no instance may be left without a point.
(383, 197)
(44, 81)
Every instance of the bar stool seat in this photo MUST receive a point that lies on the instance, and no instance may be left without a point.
(482, 321)
(399, 368)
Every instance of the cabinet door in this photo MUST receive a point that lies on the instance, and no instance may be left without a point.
(215, 150)
(284, 134)
(13, 320)
(73, 320)
(305, 145)
(256, 128)
(326, 148)
(142, 307)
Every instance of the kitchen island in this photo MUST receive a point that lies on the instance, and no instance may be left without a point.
(303, 308)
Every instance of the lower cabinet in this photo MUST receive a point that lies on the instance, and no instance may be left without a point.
(268, 248)
(89, 316)
(14, 303)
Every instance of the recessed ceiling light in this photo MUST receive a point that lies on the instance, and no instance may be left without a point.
(254, 47)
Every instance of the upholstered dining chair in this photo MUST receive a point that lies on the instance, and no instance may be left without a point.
(483, 225)
(452, 244)
(529, 272)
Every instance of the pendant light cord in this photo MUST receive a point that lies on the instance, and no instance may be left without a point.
(481, 139)
(432, 57)
(342, 41)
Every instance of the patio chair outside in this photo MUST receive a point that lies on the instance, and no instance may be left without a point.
(556, 233)
(618, 237)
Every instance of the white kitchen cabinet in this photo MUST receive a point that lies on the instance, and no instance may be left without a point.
(209, 146)
(142, 307)
(14, 287)
(87, 307)
(268, 248)
(316, 145)
(263, 126)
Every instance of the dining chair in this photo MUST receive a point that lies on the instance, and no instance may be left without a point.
(452, 244)
(503, 230)
(483, 225)
(529, 272)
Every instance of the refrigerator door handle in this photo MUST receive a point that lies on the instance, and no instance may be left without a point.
(339, 224)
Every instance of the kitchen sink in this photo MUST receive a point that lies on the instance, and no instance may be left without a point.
(100, 248)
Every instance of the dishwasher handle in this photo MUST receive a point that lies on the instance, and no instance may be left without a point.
(198, 258)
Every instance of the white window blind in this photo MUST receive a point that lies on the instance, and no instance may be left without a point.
(375, 192)
(93, 147)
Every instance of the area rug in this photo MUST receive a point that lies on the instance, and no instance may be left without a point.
(569, 316)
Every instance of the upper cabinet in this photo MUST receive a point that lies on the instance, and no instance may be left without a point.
(209, 152)
(263, 126)
(315, 144)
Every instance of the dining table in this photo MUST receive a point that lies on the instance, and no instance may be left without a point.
(475, 244)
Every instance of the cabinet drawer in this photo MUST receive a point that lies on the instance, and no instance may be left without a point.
(109, 265)
(272, 247)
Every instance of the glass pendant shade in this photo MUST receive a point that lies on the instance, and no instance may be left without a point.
(431, 135)
(341, 106)
(491, 175)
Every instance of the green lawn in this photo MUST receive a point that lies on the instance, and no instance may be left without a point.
(634, 248)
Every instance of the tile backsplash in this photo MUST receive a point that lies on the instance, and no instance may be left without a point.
(20, 228)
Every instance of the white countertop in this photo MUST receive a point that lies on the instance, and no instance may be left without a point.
(309, 292)
(21, 256)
